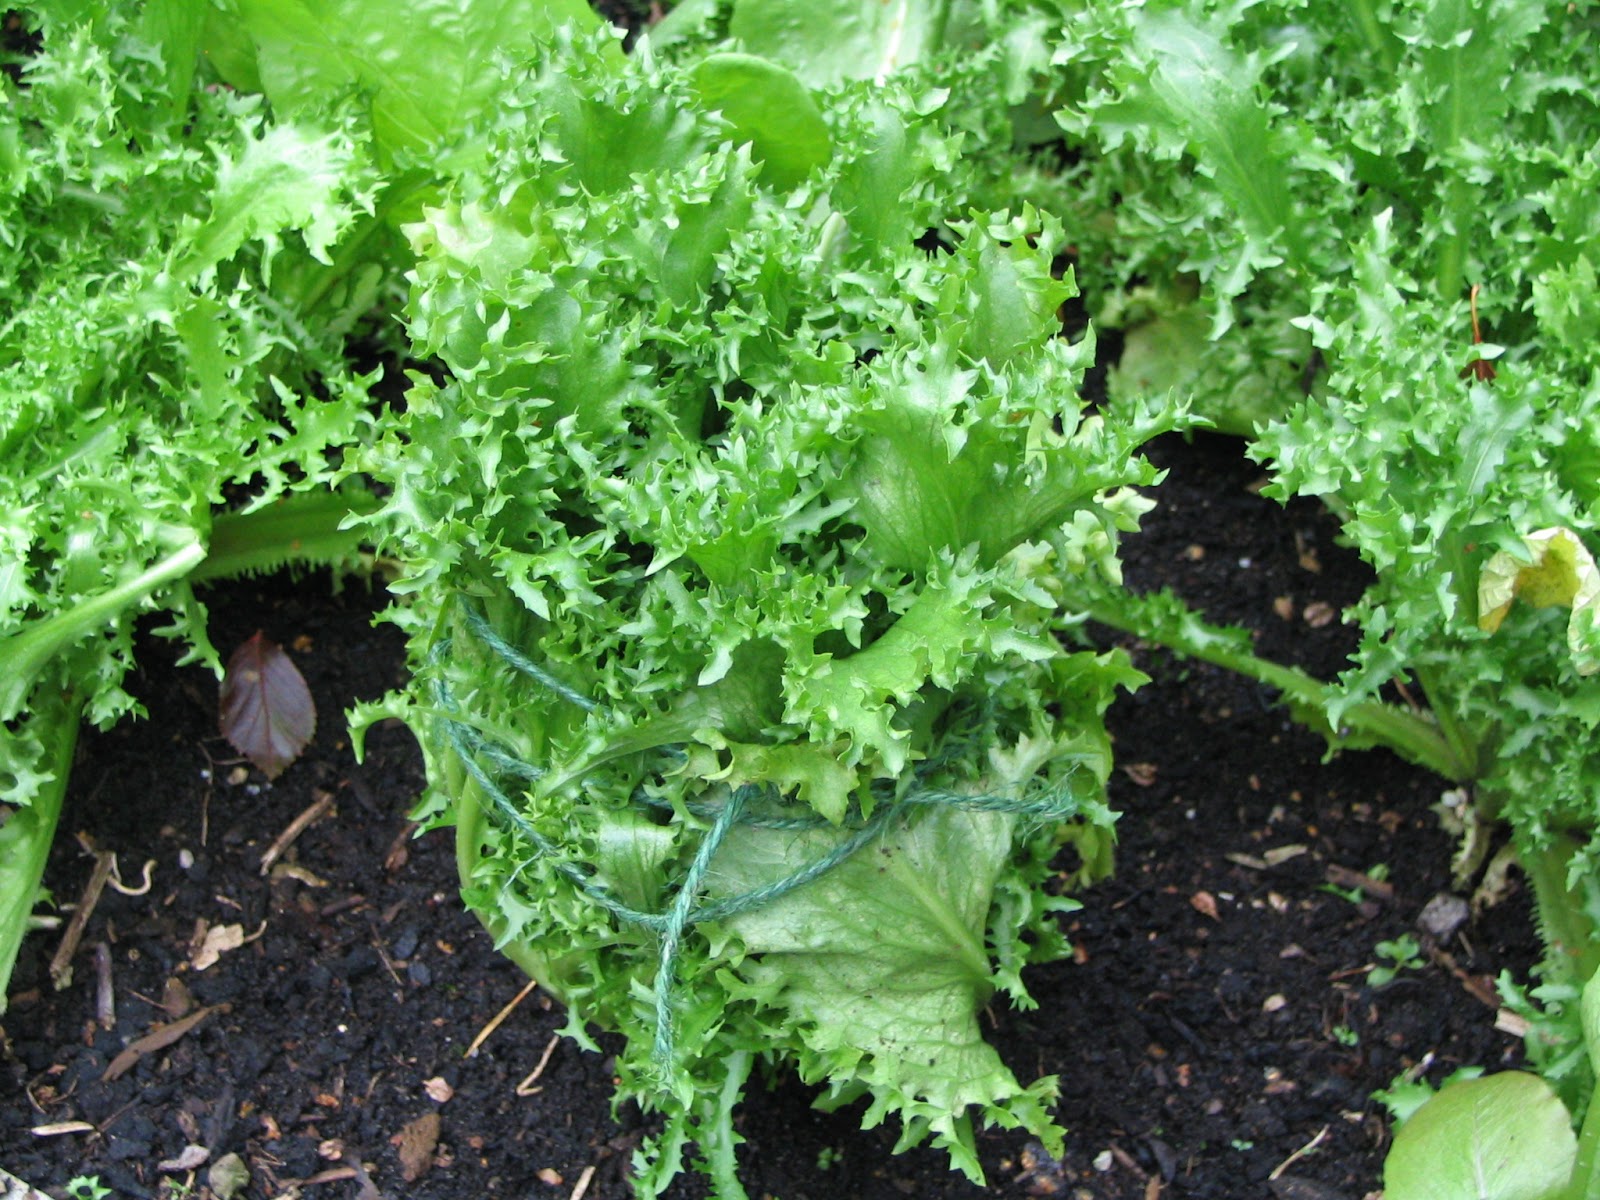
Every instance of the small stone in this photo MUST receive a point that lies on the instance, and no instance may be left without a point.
(405, 943)
(1443, 915)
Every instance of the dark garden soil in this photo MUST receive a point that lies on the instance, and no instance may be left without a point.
(1214, 1034)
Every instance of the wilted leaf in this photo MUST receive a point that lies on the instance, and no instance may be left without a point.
(192, 1156)
(1561, 572)
(438, 1088)
(214, 943)
(267, 711)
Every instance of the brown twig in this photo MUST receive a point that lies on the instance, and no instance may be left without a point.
(61, 964)
(1309, 1148)
(1344, 877)
(157, 1039)
(397, 855)
(331, 1175)
(105, 996)
(1479, 368)
(315, 812)
(499, 1019)
(526, 1088)
(584, 1180)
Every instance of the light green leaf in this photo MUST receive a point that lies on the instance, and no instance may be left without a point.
(426, 77)
(1189, 91)
(770, 108)
(1502, 1137)
(883, 966)
(827, 41)
(288, 178)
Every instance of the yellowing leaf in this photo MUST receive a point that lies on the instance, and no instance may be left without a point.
(1561, 572)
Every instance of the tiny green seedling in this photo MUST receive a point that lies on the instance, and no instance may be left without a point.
(87, 1187)
(1404, 953)
(1352, 895)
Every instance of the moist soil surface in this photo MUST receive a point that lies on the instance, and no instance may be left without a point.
(1215, 1033)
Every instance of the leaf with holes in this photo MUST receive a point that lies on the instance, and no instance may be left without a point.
(267, 711)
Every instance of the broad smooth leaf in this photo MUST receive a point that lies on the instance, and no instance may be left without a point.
(832, 40)
(267, 711)
(771, 109)
(1502, 1137)
(426, 75)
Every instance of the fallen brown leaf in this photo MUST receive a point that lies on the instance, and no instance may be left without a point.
(1205, 904)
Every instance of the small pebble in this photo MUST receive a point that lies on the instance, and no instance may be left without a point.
(1443, 915)
(405, 944)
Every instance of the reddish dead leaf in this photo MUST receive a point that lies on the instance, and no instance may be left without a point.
(267, 711)
(1205, 904)
(416, 1144)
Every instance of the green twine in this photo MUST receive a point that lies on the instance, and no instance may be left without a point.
(471, 747)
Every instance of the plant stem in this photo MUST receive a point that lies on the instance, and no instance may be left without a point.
(1415, 738)
(1453, 732)
(1572, 943)
(25, 838)
(26, 652)
(1584, 1183)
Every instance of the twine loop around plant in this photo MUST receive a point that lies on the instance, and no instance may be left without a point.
(487, 763)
